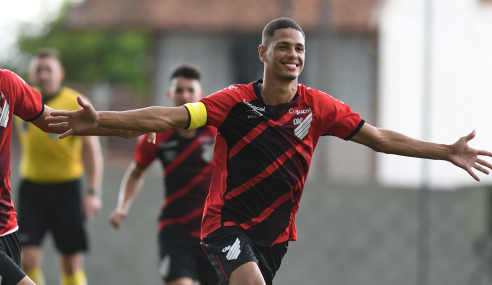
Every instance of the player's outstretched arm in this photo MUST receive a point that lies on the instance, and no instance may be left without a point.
(459, 153)
(130, 187)
(43, 124)
(151, 119)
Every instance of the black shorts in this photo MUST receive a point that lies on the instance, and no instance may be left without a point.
(182, 256)
(10, 259)
(229, 247)
(52, 207)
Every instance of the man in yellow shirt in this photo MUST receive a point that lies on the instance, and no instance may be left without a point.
(51, 170)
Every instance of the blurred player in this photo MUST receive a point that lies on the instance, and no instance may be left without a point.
(17, 97)
(51, 172)
(267, 133)
(187, 159)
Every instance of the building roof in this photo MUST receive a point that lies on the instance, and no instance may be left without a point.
(244, 16)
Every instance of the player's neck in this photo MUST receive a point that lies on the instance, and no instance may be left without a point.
(186, 133)
(276, 91)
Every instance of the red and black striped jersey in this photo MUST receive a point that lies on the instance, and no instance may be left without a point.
(262, 157)
(16, 97)
(188, 165)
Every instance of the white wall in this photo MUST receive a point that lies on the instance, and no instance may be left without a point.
(461, 96)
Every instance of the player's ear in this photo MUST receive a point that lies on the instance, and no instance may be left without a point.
(168, 94)
(262, 52)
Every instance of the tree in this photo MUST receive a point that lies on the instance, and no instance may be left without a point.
(90, 56)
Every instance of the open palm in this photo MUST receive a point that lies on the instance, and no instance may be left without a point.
(77, 121)
(467, 158)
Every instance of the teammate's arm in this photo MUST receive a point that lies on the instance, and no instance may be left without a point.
(459, 153)
(130, 187)
(93, 162)
(151, 119)
(43, 124)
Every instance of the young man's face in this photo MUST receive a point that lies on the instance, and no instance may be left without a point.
(184, 90)
(47, 74)
(284, 55)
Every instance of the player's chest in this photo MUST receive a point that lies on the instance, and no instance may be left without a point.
(254, 117)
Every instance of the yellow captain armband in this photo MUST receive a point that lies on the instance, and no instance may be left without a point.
(198, 115)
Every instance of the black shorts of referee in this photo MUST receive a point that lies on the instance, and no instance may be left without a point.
(229, 247)
(181, 256)
(56, 208)
(10, 259)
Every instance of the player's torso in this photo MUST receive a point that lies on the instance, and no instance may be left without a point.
(188, 167)
(45, 158)
(267, 160)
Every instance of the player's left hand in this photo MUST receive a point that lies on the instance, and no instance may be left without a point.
(91, 205)
(467, 158)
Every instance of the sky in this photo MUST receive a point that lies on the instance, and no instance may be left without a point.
(19, 12)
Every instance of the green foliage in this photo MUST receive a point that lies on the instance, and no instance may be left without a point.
(89, 56)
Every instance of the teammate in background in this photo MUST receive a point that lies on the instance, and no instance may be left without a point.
(50, 192)
(187, 159)
(17, 97)
(267, 132)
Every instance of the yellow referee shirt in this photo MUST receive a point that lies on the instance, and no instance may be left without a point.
(45, 158)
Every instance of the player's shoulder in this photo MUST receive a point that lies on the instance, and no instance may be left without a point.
(315, 96)
(234, 92)
(8, 77)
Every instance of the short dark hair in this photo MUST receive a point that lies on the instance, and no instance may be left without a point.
(277, 24)
(48, 52)
(187, 71)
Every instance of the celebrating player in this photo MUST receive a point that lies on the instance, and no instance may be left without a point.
(187, 159)
(51, 171)
(17, 97)
(267, 132)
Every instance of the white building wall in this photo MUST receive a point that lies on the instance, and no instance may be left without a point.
(461, 95)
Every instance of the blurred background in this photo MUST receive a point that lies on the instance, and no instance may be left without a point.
(419, 67)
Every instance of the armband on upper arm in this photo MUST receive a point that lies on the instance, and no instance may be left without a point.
(198, 115)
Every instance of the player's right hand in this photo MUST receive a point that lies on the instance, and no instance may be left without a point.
(117, 218)
(76, 121)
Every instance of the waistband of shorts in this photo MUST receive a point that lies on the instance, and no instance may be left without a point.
(10, 232)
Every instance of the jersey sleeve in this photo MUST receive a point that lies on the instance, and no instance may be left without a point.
(28, 104)
(337, 118)
(145, 152)
(219, 104)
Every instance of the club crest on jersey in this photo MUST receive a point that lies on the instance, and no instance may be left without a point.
(255, 111)
(233, 87)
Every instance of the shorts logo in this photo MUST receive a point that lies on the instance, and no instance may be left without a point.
(234, 250)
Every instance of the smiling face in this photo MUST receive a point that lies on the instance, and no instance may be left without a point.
(184, 90)
(283, 54)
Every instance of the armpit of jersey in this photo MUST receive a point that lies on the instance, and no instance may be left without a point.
(198, 115)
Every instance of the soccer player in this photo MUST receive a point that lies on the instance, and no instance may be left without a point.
(267, 133)
(187, 159)
(17, 97)
(51, 172)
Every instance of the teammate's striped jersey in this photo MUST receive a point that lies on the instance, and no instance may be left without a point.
(16, 97)
(262, 157)
(188, 166)
(45, 158)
